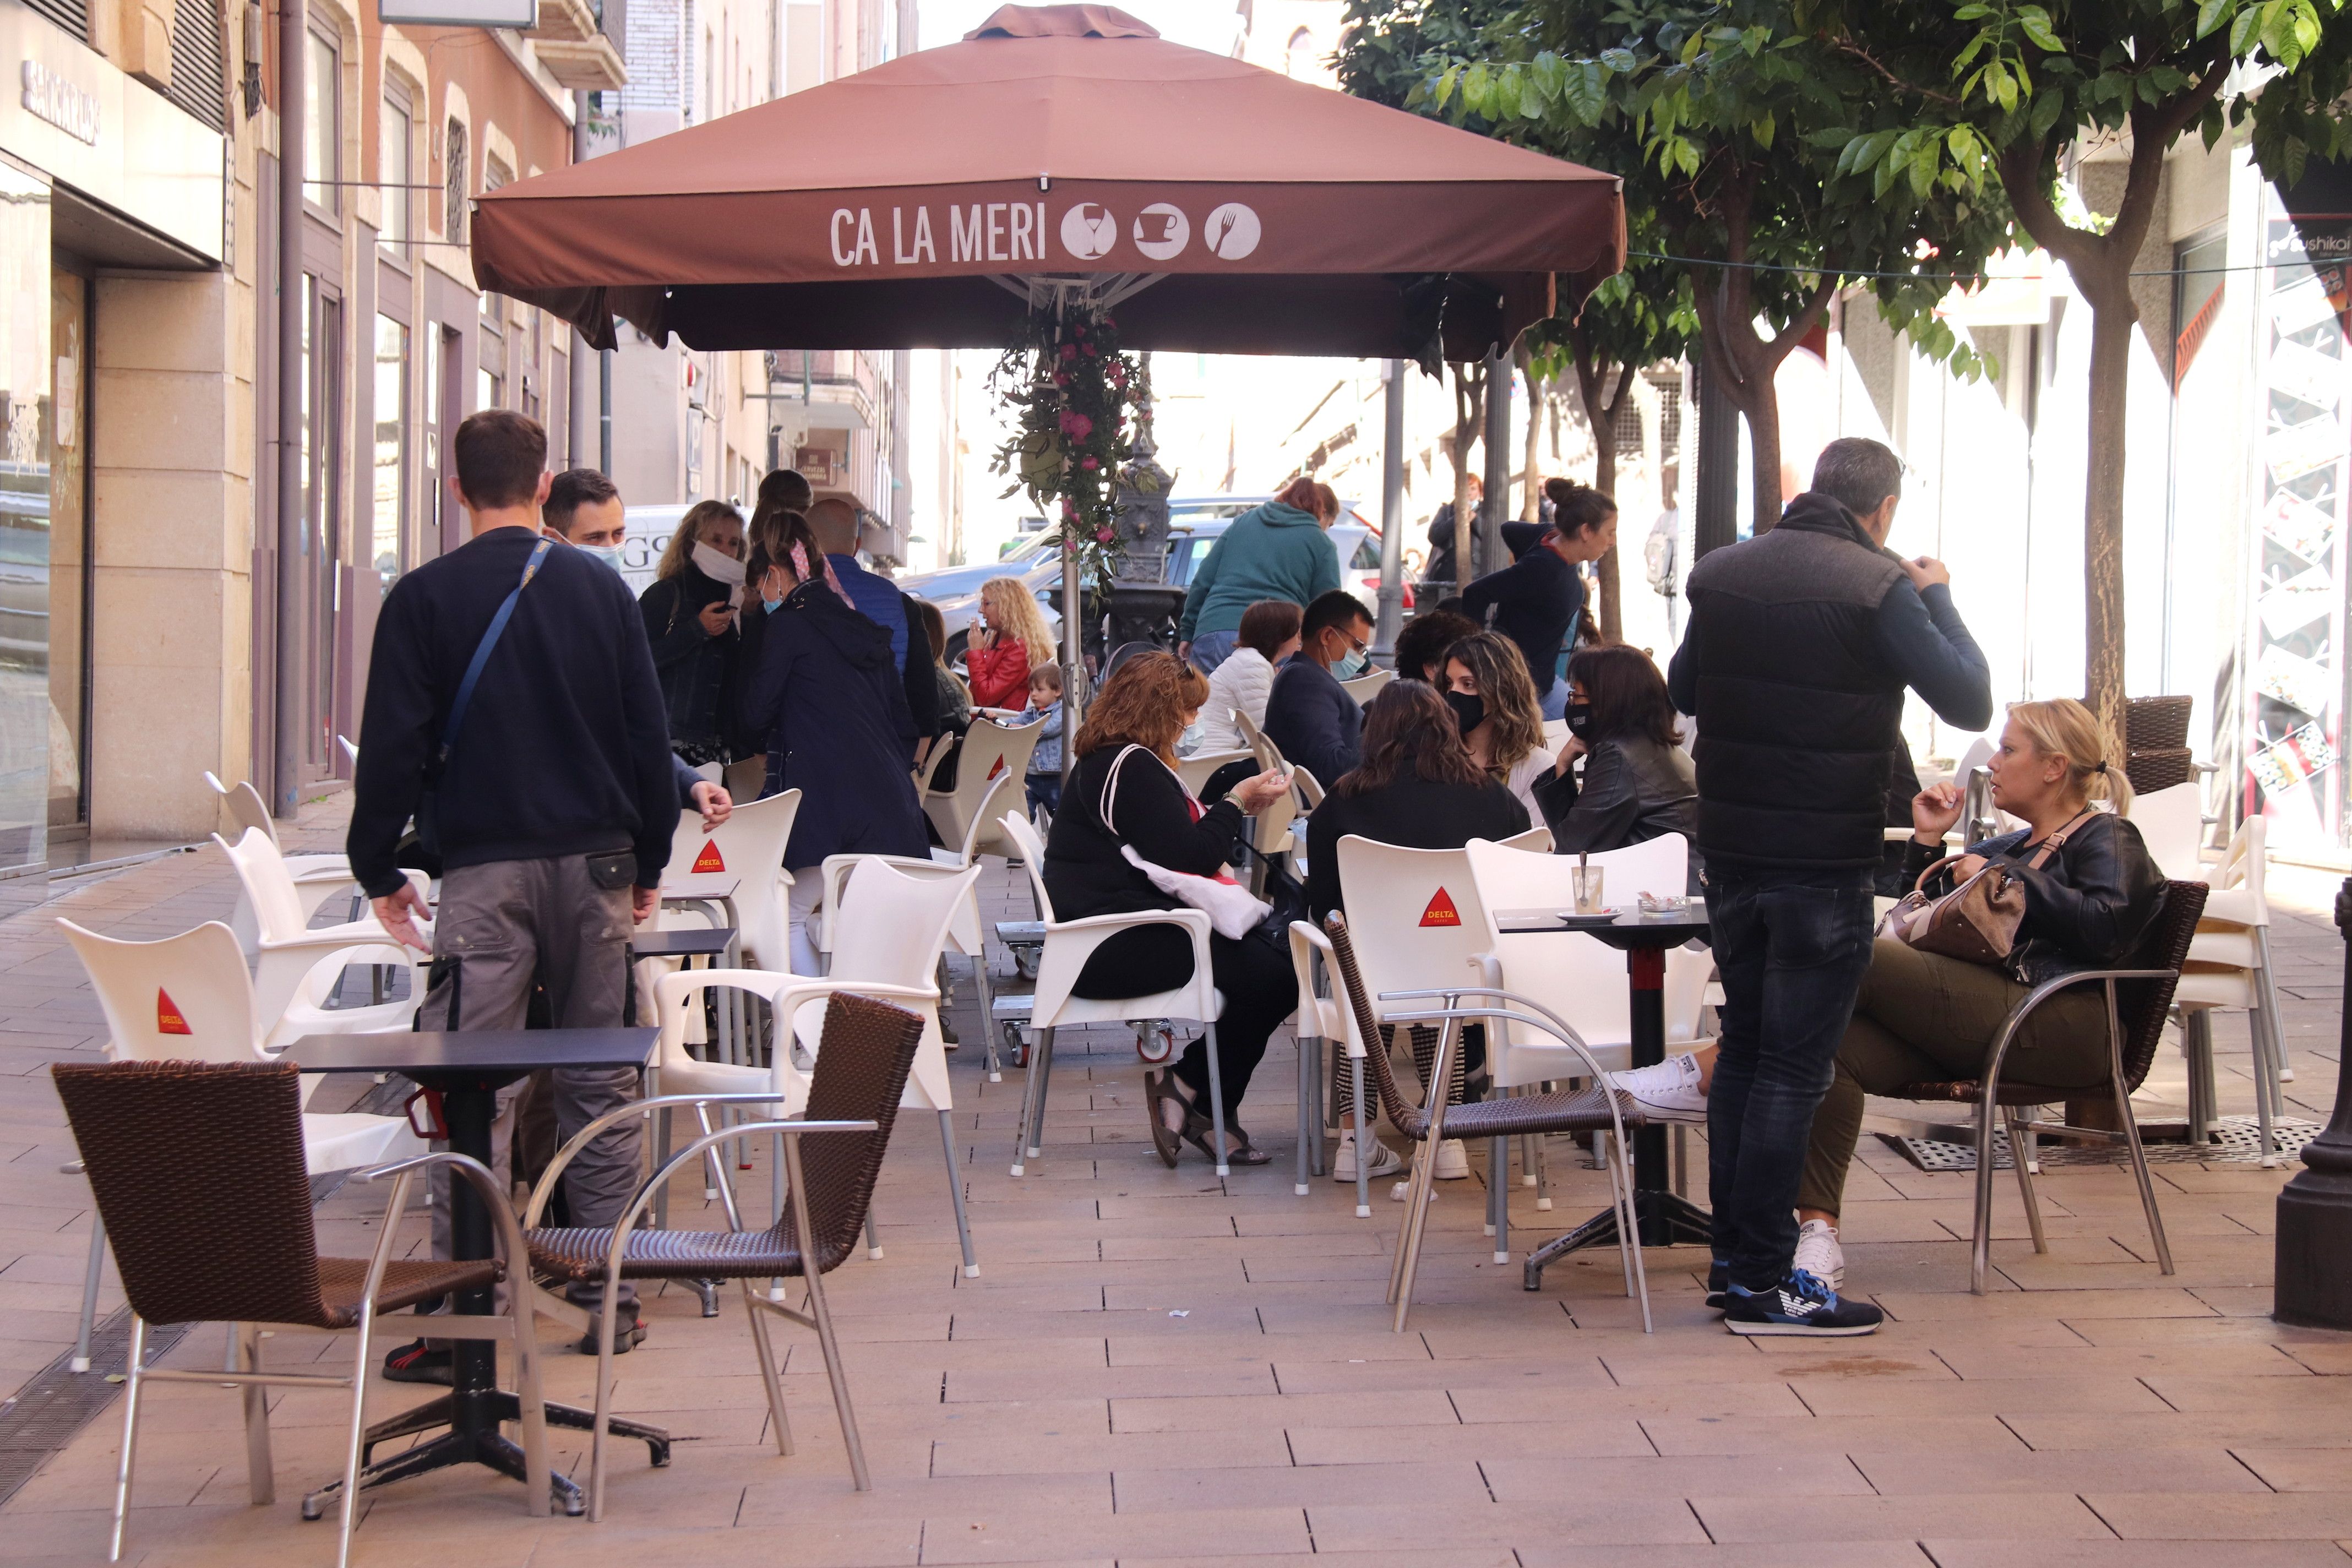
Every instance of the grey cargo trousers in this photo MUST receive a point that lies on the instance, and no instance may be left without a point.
(509, 924)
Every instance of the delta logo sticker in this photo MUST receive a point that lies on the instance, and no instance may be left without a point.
(995, 770)
(709, 859)
(168, 1020)
(1441, 911)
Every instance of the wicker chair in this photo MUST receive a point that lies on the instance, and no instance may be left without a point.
(1581, 1113)
(866, 1052)
(199, 1175)
(2137, 997)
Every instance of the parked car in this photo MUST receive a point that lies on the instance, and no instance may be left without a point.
(1194, 524)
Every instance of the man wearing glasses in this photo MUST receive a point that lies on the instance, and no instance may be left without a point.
(1308, 713)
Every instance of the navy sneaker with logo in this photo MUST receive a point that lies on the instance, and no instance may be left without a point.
(1799, 1305)
(1718, 1281)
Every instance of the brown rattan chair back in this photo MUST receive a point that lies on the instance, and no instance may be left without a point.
(199, 1175)
(2141, 1005)
(862, 1061)
(1404, 1115)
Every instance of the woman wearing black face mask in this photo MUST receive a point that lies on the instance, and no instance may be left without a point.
(1638, 783)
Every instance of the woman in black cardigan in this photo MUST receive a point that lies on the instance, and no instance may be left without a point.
(1131, 729)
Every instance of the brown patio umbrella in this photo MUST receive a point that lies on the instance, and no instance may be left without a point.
(932, 201)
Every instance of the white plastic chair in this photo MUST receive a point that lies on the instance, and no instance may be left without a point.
(188, 998)
(990, 751)
(1197, 768)
(2229, 970)
(1068, 945)
(298, 967)
(748, 844)
(1269, 754)
(316, 877)
(889, 931)
(967, 933)
(1321, 1022)
(1367, 686)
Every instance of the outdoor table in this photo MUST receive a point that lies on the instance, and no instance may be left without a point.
(712, 945)
(1665, 1216)
(468, 1069)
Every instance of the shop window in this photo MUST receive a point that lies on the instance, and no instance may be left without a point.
(394, 138)
(389, 549)
(321, 126)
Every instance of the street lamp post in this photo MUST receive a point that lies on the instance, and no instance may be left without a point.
(2312, 1274)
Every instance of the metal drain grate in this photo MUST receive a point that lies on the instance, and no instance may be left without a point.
(58, 1403)
(2236, 1140)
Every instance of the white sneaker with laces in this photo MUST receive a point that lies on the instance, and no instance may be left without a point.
(1453, 1163)
(1385, 1159)
(1666, 1092)
(1819, 1254)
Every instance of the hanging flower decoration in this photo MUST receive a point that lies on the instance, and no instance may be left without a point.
(1078, 400)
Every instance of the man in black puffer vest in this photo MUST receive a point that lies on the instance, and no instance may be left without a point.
(1802, 643)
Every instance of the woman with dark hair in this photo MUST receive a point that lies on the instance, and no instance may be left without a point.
(1269, 633)
(1638, 783)
(1487, 688)
(1280, 549)
(830, 703)
(1421, 647)
(1124, 794)
(955, 704)
(1538, 601)
(1418, 786)
(690, 619)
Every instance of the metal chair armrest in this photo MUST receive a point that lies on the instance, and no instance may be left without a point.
(2043, 993)
(1549, 1025)
(789, 1131)
(485, 1186)
(580, 1140)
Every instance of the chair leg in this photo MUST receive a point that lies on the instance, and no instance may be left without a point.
(1364, 1120)
(1424, 1176)
(2196, 1047)
(2021, 1151)
(1628, 1223)
(1980, 1239)
(1630, 1233)
(1317, 1086)
(1216, 1098)
(134, 1381)
(2271, 1006)
(538, 1496)
(955, 1191)
(987, 1009)
(2139, 1173)
(1543, 1174)
(606, 1322)
(2259, 1027)
(1030, 1143)
(1528, 1143)
(769, 1382)
(1498, 1178)
(92, 1272)
(661, 1158)
(260, 1474)
(873, 1238)
(1307, 1129)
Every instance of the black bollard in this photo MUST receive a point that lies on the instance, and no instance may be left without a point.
(2312, 1276)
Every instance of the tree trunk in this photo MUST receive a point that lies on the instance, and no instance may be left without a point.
(1530, 487)
(2103, 511)
(1764, 456)
(1469, 414)
(1604, 479)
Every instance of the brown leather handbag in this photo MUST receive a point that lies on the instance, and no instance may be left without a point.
(1977, 921)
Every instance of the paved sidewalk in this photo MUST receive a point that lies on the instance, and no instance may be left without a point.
(1157, 1368)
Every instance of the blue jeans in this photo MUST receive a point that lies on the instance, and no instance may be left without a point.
(1554, 702)
(1210, 650)
(1791, 959)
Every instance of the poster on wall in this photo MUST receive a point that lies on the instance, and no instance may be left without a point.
(2294, 704)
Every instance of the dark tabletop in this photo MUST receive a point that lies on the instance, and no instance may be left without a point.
(705, 942)
(1626, 930)
(476, 1050)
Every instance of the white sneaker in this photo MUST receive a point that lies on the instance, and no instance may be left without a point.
(1666, 1092)
(1453, 1163)
(1819, 1254)
(1385, 1159)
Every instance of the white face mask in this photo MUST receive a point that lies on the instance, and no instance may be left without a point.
(719, 566)
(610, 554)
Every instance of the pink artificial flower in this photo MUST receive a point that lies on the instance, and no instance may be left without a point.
(1103, 535)
(1070, 350)
(1061, 380)
(1090, 463)
(1076, 427)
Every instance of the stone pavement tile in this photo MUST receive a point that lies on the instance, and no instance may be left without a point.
(2241, 1302)
(2205, 1331)
(1366, 1376)
(2316, 1396)
(1099, 1454)
(2125, 1468)
(1483, 1440)
(1211, 1348)
(2029, 1516)
(1218, 1413)
(1156, 1382)
(2149, 1301)
(1209, 1533)
(2241, 1360)
(2189, 1273)
(1403, 1557)
(2130, 1554)
(1344, 1528)
(1776, 1554)
(1808, 1471)
(2290, 1469)
(2254, 1423)
(1641, 1404)
(1631, 1369)
(2331, 1357)
(614, 1543)
(1924, 1435)
(2216, 1516)
(1975, 1396)
(1450, 1485)
(990, 1324)
(816, 1498)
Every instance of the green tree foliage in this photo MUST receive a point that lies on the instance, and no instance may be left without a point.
(1720, 120)
(2020, 92)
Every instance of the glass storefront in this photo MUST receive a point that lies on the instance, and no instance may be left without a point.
(26, 434)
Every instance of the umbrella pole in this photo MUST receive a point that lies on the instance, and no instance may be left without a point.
(1390, 618)
(1073, 665)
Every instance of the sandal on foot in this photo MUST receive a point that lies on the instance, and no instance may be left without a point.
(1160, 1089)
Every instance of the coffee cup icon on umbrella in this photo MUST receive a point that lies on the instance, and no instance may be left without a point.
(1161, 230)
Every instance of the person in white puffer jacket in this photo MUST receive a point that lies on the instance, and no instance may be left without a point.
(1269, 634)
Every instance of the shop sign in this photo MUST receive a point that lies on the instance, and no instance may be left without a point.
(523, 15)
(52, 98)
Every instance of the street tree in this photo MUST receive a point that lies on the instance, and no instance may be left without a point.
(1714, 115)
(2024, 92)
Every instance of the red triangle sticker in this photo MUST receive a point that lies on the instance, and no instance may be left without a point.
(1441, 911)
(995, 770)
(168, 1020)
(709, 859)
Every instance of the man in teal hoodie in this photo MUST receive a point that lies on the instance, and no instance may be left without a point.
(1281, 550)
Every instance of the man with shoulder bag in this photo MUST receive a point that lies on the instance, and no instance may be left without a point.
(1801, 645)
(513, 712)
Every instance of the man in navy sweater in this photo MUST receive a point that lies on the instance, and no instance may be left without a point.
(554, 800)
(1309, 714)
